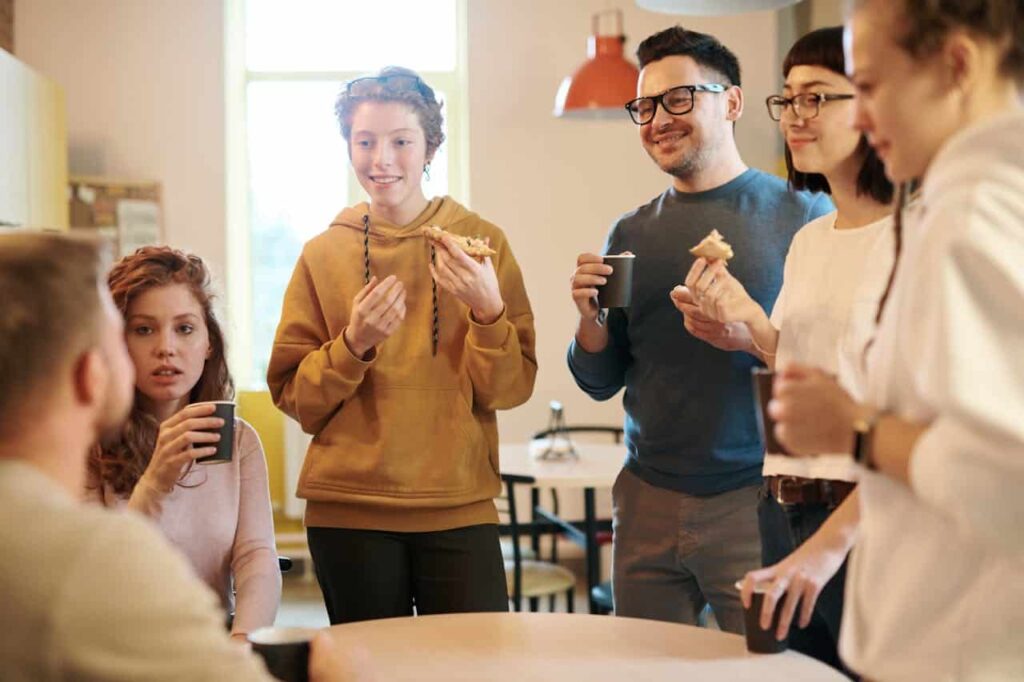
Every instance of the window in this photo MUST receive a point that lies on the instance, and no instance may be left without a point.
(287, 162)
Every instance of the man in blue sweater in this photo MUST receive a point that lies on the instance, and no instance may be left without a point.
(685, 503)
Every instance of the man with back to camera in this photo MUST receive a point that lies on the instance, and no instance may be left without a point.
(87, 593)
(685, 503)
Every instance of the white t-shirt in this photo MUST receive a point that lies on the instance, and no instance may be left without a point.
(825, 314)
(935, 589)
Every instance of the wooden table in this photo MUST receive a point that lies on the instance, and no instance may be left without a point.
(566, 647)
(597, 467)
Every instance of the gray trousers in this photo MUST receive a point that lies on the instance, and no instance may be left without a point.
(675, 553)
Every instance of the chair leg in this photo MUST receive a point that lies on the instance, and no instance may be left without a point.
(569, 595)
(551, 603)
(534, 604)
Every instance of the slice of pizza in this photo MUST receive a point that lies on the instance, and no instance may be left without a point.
(713, 247)
(474, 246)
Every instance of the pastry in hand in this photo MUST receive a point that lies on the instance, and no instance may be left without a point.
(712, 248)
(474, 246)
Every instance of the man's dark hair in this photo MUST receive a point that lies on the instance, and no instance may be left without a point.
(700, 47)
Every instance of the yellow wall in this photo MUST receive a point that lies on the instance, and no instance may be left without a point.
(257, 408)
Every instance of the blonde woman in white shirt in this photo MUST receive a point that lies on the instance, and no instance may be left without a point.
(936, 583)
(834, 273)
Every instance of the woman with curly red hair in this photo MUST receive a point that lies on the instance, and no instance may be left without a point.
(218, 516)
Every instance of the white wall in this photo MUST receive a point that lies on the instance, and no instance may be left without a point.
(555, 185)
(145, 99)
(145, 96)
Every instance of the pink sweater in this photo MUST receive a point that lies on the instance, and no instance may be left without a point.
(224, 526)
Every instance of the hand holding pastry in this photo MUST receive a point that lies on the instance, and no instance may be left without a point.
(473, 282)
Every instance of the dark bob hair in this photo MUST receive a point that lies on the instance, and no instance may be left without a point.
(824, 48)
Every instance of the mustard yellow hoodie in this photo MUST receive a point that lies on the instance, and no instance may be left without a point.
(404, 440)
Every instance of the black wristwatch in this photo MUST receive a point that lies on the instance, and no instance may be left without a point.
(863, 440)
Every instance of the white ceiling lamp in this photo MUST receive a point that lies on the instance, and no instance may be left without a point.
(712, 7)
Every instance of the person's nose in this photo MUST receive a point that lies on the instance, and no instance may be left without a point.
(662, 118)
(166, 347)
(861, 119)
(383, 156)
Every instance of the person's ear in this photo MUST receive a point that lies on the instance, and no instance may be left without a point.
(962, 60)
(91, 378)
(734, 103)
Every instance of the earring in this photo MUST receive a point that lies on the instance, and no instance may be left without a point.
(426, 170)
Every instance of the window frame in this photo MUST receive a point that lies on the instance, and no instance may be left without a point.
(239, 286)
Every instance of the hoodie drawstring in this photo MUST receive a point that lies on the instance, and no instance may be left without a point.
(436, 316)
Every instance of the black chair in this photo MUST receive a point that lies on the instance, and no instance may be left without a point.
(530, 578)
(601, 595)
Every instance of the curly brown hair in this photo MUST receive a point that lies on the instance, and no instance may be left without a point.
(394, 84)
(120, 463)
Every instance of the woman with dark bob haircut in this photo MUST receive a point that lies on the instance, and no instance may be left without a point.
(218, 516)
(835, 272)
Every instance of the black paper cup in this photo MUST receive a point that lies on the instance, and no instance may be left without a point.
(763, 379)
(617, 292)
(763, 641)
(226, 444)
(285, 651)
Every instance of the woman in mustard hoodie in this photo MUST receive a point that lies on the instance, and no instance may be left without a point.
(394, 352)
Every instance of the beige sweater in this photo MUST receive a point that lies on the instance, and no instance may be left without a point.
(92, 595)
(220, 518)
(404, 440)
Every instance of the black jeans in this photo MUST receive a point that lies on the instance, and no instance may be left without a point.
(783, 529)
(366, 574)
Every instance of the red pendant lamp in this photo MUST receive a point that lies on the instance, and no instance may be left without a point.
(603, 84)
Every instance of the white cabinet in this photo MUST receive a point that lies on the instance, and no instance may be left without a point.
(33, 148)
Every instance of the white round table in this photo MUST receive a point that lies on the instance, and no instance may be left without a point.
(496, 647)
(597, 466)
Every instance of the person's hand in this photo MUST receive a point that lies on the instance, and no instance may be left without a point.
(800, 577)
(330, 662)
(812, 412)
(730, 337)
(182, 438)
(473, 282)
(590, 273)
(377, 311)
(720, 296)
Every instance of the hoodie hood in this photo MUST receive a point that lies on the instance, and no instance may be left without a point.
(441, 211)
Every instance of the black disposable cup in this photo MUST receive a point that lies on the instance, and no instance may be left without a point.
(285, 651)
(226, 445)
(763, 380)
(761, 641)
(617, 292)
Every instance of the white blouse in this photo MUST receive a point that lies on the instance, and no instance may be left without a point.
(936, 585)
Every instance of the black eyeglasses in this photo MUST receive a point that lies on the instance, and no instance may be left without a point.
(805, 105)
(675, 101)
(374, 85)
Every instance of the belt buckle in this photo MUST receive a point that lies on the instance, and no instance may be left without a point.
(786, 483)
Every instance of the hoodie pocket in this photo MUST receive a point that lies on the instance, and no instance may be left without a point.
(401, 442)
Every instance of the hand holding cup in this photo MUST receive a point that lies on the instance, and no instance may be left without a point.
(187, 435)
(590, 273)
